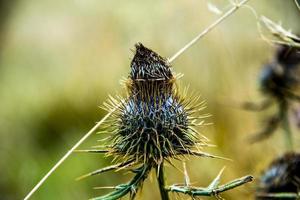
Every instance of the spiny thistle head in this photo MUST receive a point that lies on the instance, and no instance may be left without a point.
(153, 122)
(282, 176)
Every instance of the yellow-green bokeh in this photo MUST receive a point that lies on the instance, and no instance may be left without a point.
(61, 59)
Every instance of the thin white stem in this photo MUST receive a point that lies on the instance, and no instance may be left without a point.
(36, 187)
(208, 29)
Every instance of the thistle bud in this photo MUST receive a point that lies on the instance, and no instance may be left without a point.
(282, 176)
(153, 122)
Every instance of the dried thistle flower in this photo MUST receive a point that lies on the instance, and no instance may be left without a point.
(281, 180)
(153, 124)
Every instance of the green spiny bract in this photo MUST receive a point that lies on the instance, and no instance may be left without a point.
(153, 122)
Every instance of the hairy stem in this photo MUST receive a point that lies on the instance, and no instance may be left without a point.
(161, 182)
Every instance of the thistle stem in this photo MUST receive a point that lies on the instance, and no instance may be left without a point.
(161, 182)
(195, 191)
(285, 124)
(283, 195)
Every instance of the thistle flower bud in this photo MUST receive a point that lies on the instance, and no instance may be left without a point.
(282, 176)
(153, 122)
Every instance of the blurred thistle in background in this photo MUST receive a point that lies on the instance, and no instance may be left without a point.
(60, 59)
(280, 82)
(281, 179)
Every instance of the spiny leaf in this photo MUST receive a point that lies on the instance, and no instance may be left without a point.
(216, 181)
(123, 189)
(105, 169)
(204, 154)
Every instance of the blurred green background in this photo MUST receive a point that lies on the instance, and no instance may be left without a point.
(59, 60)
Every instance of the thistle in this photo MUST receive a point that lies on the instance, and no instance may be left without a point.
(282, 179)
(161, 68)
(279, 82)
(154, 124)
